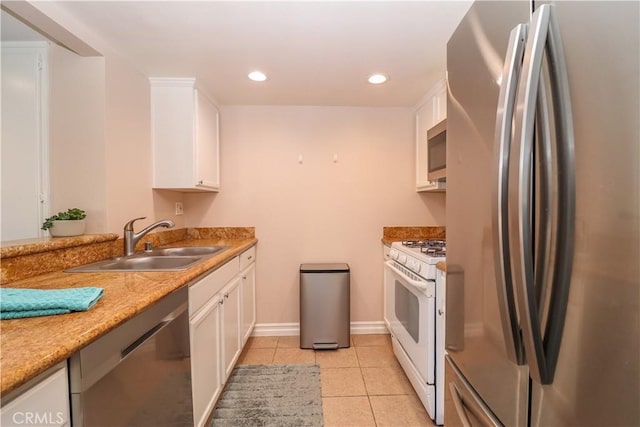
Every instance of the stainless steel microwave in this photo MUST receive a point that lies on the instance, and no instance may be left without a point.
(437, 152)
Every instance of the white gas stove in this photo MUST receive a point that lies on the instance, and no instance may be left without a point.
(420, 256)
(414, 315)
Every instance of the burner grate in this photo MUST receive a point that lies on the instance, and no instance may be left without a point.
(430, 247)
(428, 243)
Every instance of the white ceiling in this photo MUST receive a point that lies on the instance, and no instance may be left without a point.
(314, 52)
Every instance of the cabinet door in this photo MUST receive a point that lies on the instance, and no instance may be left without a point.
(433, 111)
(440, 104)
(230, 325)
(207, 143)
(204, 329)
(424, 120)
(45, 403)
(184, 134)
(248, 277)
(172, 120)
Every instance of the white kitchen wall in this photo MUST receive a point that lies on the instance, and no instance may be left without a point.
(319, 210)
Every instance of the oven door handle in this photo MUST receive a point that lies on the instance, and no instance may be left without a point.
(412, 282)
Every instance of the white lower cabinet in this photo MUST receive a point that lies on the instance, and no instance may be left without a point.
(44, 401)
(206, 381)
(216, 329)
(231, 325)
(248, 285)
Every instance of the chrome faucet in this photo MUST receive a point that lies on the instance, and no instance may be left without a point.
(131, 238)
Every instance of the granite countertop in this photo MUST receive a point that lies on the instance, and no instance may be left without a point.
(32, 345)
(400, 233)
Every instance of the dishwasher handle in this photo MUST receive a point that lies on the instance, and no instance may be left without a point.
(153, 331)
(144, 337)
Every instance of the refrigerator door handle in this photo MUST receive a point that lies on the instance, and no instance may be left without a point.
(503, 132)
(542, 352)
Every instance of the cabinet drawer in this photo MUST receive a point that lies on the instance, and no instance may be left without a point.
(247, 257)
(202, 291)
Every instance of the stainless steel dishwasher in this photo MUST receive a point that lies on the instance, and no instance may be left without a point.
(138, 374)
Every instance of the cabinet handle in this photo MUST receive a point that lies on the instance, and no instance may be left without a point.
(244, 277)
(226, 295)
(249, 257)
(200, 182)
(221, 301)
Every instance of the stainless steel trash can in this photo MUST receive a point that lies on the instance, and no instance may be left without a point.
(324, 306)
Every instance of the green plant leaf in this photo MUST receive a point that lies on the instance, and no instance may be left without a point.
(70, 215)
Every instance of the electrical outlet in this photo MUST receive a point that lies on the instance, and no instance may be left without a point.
(179, 208)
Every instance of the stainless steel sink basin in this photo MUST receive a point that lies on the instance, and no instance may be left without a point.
(162, 259)
(188, 251)
(139, 263)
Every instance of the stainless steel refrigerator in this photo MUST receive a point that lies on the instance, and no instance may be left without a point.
(543, 215)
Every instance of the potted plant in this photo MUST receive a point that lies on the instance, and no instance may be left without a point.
(64, 224)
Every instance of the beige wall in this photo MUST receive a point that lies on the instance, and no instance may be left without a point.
(111, 174)
(76, 135)
(317, 211)
(128, 154)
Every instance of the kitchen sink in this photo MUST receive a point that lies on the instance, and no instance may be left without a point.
(188, 251)
(166, 259)
(138, 263)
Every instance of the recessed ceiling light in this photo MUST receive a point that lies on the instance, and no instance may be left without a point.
(257, 76)
(377, 79)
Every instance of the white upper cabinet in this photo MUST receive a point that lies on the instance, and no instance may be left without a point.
(433, 110)
(186, 137)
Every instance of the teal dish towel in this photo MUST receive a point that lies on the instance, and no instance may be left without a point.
(17, 303)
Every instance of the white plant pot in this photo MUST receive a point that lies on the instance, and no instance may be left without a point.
(67, 228)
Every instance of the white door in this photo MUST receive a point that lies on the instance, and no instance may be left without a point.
(24, 139)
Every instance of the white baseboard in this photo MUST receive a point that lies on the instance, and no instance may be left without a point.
(292, 329)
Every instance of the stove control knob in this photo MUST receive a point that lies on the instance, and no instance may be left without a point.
(393, 253)
(414, 265)
(402, 259)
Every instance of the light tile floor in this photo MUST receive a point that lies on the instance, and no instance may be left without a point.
(361, 386)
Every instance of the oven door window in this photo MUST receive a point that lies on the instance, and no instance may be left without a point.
(407, 310)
